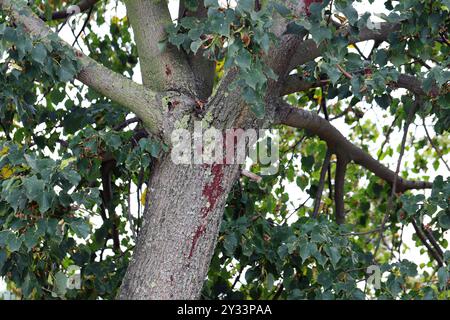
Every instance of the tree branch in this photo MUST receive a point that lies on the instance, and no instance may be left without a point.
(339, 183)
(430, 249)
(390, 206)
(323, 173)
(295, 83)
(202, 67)
(116, 87)
(338, 144)
(435, 147)
(166, 69)
(82, 6)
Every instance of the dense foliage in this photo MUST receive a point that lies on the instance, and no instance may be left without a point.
(72, 161)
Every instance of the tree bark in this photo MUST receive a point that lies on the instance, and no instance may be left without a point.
(178, 237)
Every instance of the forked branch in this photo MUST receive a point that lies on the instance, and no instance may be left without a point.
(340, 145)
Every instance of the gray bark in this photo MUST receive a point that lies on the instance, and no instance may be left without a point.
(179, 233)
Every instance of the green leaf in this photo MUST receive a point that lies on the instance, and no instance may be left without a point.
(349, 11)
(319, 33)
(195, 45)
(444, 221)
(35, 190)
(60, 283)
(230, 243)
(39, 53)
(325, 279)
(211, 3)
(72, 176)
(244, 60)
(333, 73)
(281, 9)
(307, 163)
(270, 279)
(80, 227)
(31, 238)
(443, 277)
(259, 110)
(66, 162)
(5, 236)
(14, 243)
(246, 5)
(384, 101)
(3, 258)
(333, 254)
(307, 250)
(66, 71)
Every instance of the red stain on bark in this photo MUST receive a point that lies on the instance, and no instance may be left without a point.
(168, 71)
(214, 189)
(211, 191)
(200, 230)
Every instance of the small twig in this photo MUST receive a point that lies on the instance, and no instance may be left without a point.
(362, 233)
(323, 172)
(345, 73)
(423, 239)
(360, 52)
(339, 183)
(84, 26)
(278, 292)
(439, 153)
(409, 119)
(295, 210)
(388, 134)
(251, 175)
(130, 216)
(125, 124)
(241, 269)
(343, 113)
(323, 105)
(432, 240)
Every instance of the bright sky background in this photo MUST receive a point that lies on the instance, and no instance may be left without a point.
(374, 113)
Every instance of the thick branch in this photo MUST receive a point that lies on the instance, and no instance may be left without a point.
(202, 67)
(166, 69)
(112, 85)
(340, 145)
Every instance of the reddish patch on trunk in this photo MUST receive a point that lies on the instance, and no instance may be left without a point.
(168, 71)
(200, 230)
(211, 191)
(214, 189)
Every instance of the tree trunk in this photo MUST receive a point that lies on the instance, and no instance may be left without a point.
(179, 232)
